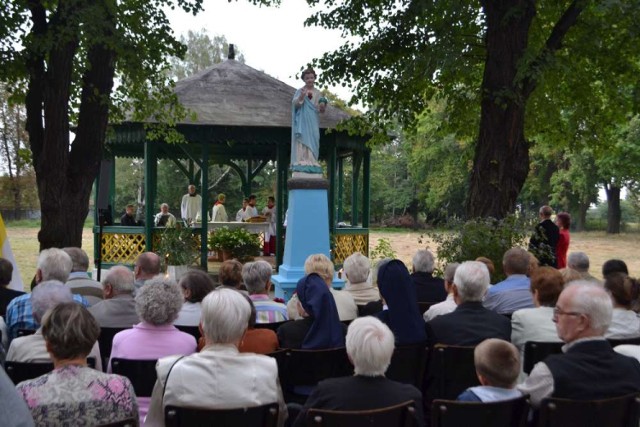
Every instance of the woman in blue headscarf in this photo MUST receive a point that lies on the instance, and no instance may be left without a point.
(402, 314)
(320, 326)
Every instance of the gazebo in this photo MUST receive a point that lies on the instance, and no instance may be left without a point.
(241, 115)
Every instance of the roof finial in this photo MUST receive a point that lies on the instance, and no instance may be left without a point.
(232, 52)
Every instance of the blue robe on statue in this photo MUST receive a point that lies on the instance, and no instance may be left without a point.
(305, 134)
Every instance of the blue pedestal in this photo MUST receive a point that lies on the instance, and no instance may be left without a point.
(307, 233)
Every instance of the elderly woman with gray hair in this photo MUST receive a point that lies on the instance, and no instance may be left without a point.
(73, 394)
(158, 303)
(370, 345)
(357, 269)
(32, 348)
(257, 279)
(219, 377)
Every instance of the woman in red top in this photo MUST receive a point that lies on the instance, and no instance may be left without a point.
(563, 221)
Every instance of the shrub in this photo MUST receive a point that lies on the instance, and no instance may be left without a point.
(240, 243)
(381, 251)
(488, 237)
(178, 246)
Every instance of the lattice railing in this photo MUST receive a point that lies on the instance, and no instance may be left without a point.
(122, 248)
(348, 241)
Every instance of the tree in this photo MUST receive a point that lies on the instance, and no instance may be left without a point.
(13, 146)
(393, 192)
(575, 185)
(66, 56)
(618, 168)
(487, 58)
(202, 52)
(440, 163)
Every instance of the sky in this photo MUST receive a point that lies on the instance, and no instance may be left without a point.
(273, 40)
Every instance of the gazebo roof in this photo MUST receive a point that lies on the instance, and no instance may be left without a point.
(234, 94)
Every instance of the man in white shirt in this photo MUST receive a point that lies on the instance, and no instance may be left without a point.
(251, 209)
(242, 213)
(164, 218)
(449, 304)
(191, 206)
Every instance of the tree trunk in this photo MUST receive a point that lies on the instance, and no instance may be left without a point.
(501, 162)
(614, 212)
(581, 223)
(65, 172)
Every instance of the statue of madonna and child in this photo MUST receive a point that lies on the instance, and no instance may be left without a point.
(307, 105)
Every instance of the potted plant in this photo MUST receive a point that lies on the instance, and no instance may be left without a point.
(235, 243)
(179, 248)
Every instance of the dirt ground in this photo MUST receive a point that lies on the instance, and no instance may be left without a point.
(598, 245)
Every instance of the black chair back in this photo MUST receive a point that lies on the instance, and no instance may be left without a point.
(537, 351)
(621, 341)
(451, 371)
(401, 415)
(309, 367)
(191, 330)
(508, 413)
(105, 341)
(141, 373)
(22, 371)
(258, 416)
(408, 364)
(623, 411)
(91, 362)
(273, 326)
(370, 309)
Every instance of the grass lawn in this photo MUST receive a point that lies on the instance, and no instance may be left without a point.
(598, 245)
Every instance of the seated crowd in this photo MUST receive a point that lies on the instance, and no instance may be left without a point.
(211, 343)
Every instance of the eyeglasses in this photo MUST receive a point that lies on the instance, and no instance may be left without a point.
(559, 312)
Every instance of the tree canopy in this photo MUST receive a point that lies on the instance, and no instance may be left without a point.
(509, 71)
(78, 65)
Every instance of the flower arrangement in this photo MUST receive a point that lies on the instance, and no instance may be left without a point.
(238, 242)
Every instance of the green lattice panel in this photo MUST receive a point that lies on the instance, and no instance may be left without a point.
(346, 244)
(122, 247)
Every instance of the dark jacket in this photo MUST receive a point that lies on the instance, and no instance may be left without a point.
(592, 370)
(360, 393)
(544, 241)
(428, 288)
(469, 324)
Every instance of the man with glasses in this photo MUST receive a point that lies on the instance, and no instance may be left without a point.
(589, 368)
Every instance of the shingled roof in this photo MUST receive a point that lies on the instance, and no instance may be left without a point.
(234, 94)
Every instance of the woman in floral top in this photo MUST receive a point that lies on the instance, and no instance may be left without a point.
(74, 394)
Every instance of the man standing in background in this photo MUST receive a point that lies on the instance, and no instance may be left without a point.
(251, 209)
(242, 213)
(129, 217)
(545, 238)
(270, 236)
(191, 206)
